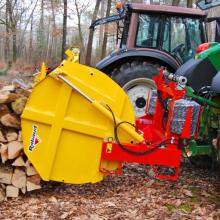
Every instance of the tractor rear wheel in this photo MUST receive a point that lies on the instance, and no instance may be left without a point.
(136, 79)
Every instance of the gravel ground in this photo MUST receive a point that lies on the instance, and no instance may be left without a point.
(132, 195)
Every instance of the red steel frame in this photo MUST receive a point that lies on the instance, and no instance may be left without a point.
(154, 132)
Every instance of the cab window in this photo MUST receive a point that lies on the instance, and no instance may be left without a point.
(148, 31)
(181, 37)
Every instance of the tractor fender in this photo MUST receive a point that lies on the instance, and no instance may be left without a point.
(156, 56)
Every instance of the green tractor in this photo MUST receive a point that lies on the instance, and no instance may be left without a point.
(203, 75)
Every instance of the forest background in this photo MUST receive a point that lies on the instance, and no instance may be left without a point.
(33, 31)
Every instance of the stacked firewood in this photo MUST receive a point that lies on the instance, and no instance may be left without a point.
(16, 172)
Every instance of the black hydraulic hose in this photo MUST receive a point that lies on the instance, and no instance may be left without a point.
(148, 151)
(124, 148)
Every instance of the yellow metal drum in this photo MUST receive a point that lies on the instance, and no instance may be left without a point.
(63, 132)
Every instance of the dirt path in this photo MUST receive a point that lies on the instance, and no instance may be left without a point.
(133, 195)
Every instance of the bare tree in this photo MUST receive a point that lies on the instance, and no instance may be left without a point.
(80, 10)
(7, 46)
(101, 29)
(175, 2)
(31, 41)
(64, 27)
(30, 18)
(28, 33)
(13, 27)
(189, 3)
(53, 45)
(104, 45)
(91, 34)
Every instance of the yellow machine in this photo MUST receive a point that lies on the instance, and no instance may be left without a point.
(67, 118)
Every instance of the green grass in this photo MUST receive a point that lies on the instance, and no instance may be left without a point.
(186, 207)
(170, 207)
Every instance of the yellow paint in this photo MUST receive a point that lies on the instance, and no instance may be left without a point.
(73, 54)
(41, 75)
(72, 129)
(109, 148)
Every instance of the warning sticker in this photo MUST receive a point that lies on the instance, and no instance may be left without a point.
(35, 140)
(109, 148)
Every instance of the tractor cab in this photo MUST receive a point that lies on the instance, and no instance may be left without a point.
(203, 70)
(172, 31)
(152, 37)
(207, 4)
(174, 34)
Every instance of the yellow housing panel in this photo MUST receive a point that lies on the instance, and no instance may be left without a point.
(63, 132)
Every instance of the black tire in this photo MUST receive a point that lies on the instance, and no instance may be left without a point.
(131, 75)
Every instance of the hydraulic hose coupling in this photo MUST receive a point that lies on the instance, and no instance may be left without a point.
(180, 80)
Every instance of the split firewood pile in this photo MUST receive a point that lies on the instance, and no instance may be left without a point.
(16, 172)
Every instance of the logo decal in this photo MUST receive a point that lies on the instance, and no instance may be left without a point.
(35, 140)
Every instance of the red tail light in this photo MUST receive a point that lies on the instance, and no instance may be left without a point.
(203, 47)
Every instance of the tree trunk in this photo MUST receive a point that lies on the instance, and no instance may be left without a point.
(40, 36)
(189, 3)
(175, 2)
(104, 45)
(54, 30)
(82, 47)
(101, 30)
(30, 18)
(64, 27)
(13, 26)
(48, 40)
(91, 33)
(7, 44)
(31, 41)
(14, 43)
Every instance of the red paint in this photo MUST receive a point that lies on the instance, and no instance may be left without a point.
(156, 129)
(203, 47)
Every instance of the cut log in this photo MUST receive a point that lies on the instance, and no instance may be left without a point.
(34, 179)
(4, 109)
(30, 171)
(28, 163)
(19, 178)
(19, 162)
(2, 186)
(20, 136)
(14, 148)
(33, 183)
(32, 186)
(10, 120)
(9, 88)
(2, 194)
(4, 153)
(12, 191)
(6, 173)
(24, 190)
(2, 138)
(6, 97)
(19, 104)
(11, 136)
(23, 92)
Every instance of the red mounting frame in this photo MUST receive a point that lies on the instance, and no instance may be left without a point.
(154, 131)
(168, 156)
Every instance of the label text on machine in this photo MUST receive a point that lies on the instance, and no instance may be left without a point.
(34, 139)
